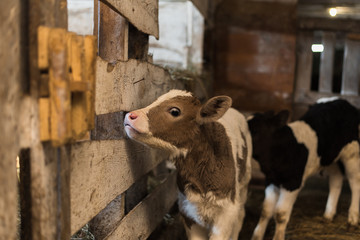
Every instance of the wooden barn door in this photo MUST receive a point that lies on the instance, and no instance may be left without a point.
(332, 72)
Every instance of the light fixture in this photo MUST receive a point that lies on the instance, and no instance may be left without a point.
(317, 48)
(332, 12)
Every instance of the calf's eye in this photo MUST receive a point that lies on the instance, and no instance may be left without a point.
(175, 112)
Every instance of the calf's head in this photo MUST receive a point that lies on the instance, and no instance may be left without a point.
(262, 127)
(173, 121)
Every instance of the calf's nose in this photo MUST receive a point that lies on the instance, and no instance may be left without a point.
(132, 116)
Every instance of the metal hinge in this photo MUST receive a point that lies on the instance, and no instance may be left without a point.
(67, 64)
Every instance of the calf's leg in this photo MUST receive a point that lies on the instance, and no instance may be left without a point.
(335, 185)
(271, 198)
(283, 211)
(350, 158)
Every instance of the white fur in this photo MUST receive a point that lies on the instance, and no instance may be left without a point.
(335, 185)
(327, 99)
(171, 94)
(306, 135)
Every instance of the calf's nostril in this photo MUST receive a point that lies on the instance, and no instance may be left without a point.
(133, 116)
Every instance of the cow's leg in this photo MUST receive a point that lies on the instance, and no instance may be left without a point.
(271, 198)
(283, 211)
(335, 185)
(196, 232)
(350, 158)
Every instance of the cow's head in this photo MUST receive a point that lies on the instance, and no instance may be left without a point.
(262, 127)
(173, 121)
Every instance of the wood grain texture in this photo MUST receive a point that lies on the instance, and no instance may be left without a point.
(109, 126)
(102, 170)
(142, 220)
(10, 75)
(113, 34)
(125, 86)
(142, 14)
(60, 98)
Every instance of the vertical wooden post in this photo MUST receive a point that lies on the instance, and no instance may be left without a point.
(10, 75)
(50, 179)
(351, 71)
(113, 35)
(327, 62)
(304, 58)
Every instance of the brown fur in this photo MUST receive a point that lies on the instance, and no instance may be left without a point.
(209, 164)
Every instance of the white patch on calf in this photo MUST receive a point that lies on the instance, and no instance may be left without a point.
(235, 124)
(171, 94)
(327, 99)
(306, 135)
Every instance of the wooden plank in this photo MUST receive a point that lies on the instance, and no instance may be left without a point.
(111, 167)
(143, 219)
(304, 63)
(79, 125)
(108, 218)
(142, 14)
(129, 85)
(44, 118)
(43, 43)
(109, 126)
(351, 70)
(60, 100)
(327, 62)
(113, 35)
(90, 72)
(10, 74)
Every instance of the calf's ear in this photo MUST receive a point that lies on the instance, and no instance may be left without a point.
(213, 109)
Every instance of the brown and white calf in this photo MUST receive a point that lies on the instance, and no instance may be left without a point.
(289, 154)
(211, 148)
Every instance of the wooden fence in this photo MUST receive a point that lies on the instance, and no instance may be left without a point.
(102, 179)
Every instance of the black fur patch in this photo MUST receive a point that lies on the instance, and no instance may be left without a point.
(336, 124)
(282, 159)
(286, 162)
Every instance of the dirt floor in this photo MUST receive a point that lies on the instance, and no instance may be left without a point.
(306, 221)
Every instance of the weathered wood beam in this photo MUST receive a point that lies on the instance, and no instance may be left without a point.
(129, 85)
(111, 167)
(10, 75)
(142, 220)
(142, 14)
(113, 34)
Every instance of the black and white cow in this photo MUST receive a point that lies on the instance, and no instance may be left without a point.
(289, 153)
(211, 148)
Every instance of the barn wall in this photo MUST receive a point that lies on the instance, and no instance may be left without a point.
(255, 46)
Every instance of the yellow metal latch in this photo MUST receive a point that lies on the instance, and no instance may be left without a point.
(67, 63)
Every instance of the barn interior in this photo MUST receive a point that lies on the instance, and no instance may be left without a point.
(78, 175)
